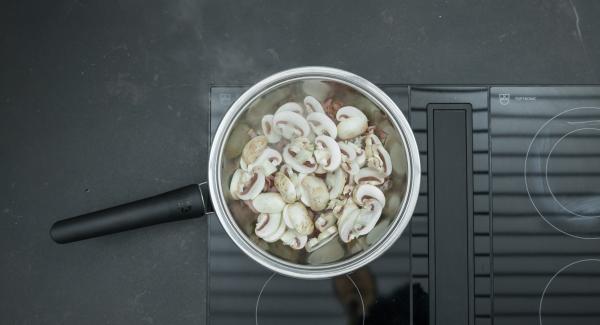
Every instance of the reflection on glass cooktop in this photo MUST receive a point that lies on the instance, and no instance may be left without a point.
(533, 230)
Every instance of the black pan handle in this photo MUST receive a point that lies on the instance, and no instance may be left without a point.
(183, 203)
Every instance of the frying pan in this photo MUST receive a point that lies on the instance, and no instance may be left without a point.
(196, 200)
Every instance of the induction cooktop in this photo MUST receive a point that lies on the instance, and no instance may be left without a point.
(506, 228)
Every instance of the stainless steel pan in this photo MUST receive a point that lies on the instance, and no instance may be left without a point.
(197, 200)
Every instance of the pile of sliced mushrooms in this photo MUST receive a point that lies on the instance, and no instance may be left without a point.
(313, 174)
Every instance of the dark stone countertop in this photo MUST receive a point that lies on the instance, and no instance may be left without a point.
(106, 102)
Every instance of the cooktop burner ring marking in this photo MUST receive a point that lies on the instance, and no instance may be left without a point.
(259, 295)
(546, 172)
(552, 279)
(262, 289)
(525, 171)
(362, 302)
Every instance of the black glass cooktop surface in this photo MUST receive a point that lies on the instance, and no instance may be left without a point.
(546, 204)
(506, 229)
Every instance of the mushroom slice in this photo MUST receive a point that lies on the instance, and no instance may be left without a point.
(367, 218)
(314, 192)
(348, 208)
(385, 159)
(346, 226)
(269, 225)
(348, 152)
(365, 194)
(291, 158)
(290, 107)
(323, 238)
(335, 181)
(253, 149)
(313, 105)
(348, 112)
(349, 165)
(353, 122)
(235, 182)
(296, 217)
(269, 202)
(277, 235)
(321, 124)
(248, 185)
(368, 175)
(290, 124)
(325, 220)
(351, 128)
(268, 129)
(336, 206)
(327, 153)
(293, 239)
(320, 170)
(286, 187)
(374, 139)
(361, 156)
(267, 161)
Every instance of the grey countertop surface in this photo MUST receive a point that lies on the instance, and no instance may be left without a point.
(106, 102)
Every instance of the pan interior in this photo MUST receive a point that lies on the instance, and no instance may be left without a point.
(326, 91)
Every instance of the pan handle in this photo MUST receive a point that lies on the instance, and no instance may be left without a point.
(183, 203)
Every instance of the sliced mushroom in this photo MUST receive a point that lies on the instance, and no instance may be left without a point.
(267, 161)
(290, 107)
(269, 226)
(348, 112)
(286, 187)
(361, 157)
(320, 170)
(346, 226)
(314, 192)
(350, 128)
(347, 151)
(336, 206)
(293, 239)
(348, 164)
(253, 149)
(384, 156)
(321, 124)
(347, 209)
(269, 131)
(277, 235)
(327, 153)
(290, 124)
(235, 181)
(299, 156)
(325, 220)
(269, 202)
(352, 122)
(368, 175)
(246, 185)
(313, 105)
(323, 238)
(335, 181)
(377, 156)
(296, 217)
(365, 194)
(367, 218)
